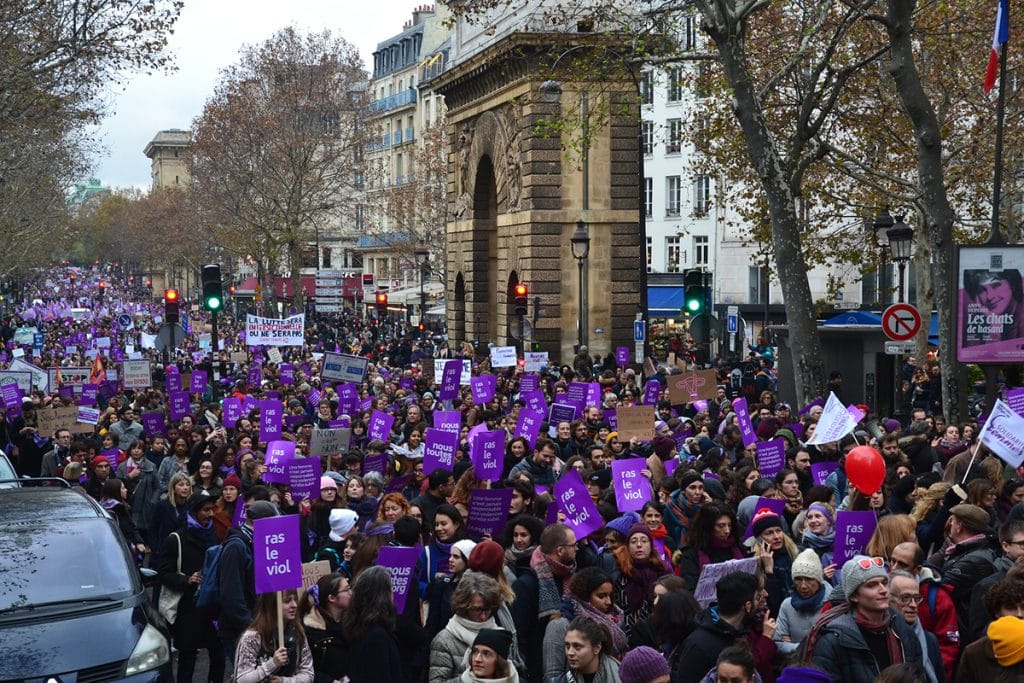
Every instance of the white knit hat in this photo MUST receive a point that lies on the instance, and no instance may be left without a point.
(465, 546)
(342, 521)
(808, 565)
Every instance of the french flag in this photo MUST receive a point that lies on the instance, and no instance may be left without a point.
(999, 38)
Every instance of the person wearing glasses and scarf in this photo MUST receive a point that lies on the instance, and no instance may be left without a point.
(854, 642)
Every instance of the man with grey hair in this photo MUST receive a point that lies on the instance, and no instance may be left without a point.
(905, 596)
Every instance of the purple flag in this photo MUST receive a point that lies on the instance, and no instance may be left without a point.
(450, 380)
(153, 423)
(534, 400)
(279, 453)
(304, 478)
(771, 457)
(528, 425)
(853, 531)
(89, 392)
(581, 514)
(197, 385)
(287, 373)
(821, 470)
(277, 558)
(488, 512)
(270, 420)
(375, 462)
(622, 356)
(776, 505)
(743, 421)
(179, 404)
(487, 451)
(632, 489)
(483, 388)
(439, 450)
(529, 383)
(401, 564)
(651, 391)
(255, 377)
(380, 426)
(232, 411)
(448, 421)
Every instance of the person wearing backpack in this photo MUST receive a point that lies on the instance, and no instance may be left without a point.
(236, 580)
(181, 564)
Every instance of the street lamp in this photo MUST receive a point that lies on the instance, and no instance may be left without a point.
(422, 254)
(580, 242)
(901, 238)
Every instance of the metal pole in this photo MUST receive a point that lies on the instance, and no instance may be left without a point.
(997, 185)
(214, 352)
(423, 298)
(579, 319)
(585, 113)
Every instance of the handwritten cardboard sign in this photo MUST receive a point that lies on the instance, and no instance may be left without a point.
(692, 386)
(635, 421)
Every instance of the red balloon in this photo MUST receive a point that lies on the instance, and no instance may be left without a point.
(865, 469)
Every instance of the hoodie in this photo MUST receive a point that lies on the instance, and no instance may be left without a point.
(701, 648)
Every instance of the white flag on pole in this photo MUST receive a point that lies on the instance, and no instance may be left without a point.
(835, 422)
(1003, 434)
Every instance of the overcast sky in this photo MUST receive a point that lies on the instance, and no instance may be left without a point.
(207, 38)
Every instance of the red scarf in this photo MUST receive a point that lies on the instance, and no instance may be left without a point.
(884, 628)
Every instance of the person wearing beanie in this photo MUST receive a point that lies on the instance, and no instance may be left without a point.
(488, 558)
(644, 665)
(318, 520)
(855, 642)
(99, 472)
(819, 535)
(775, 552)
(998, 656)
(226, 511)
(967, 559)
(803, 674)
(798, 611)
(638, 565)
(488, 658)
(682, 508)
(615, 535)
(342, 522)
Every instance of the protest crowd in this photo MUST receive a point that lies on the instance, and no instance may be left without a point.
(466, 515)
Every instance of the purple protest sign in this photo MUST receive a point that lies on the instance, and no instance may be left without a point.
(529, 383)
(821, 470)
(576, 393)
(671, 466)
(853, 531)
(776, 505)
(279, 454)
(66, 391)
(622, 356)
(287, 373)
(313, 397)
(581, 514)
(487, 453)
(12, 394)
(534, 400)
(401, 564)
(449, 388)
(700, 405)
(348, 397)
(448, 421)
(612, 418)
(807, 408)
(291, 422)
(398, 483)
(798, 429)
(255, 376)
(528, 425)
(375, 462)
(632, 489)
(380, 426)
(483, 388)
(277, 558)
(153, 423)
(304, 478)
(771, 457)
(173, 381)
(249, 404)
(232, 411)
(407, 384)
(651, 391)
(593, 394)
(743, 421)
(488, 512)
(114, 456)
(561, 412)
(179, 405)
(270, 420)
(88, 397)
(439, 450)
(197, 385)
(1015, 399)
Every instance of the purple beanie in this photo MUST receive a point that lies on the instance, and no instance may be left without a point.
(642, 665)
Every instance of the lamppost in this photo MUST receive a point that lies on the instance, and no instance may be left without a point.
(422, 254)
(580, 241)
(901, 238)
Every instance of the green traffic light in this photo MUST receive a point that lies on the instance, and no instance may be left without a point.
(693, 305)
(213, 303)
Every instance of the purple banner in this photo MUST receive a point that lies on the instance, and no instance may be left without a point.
(375, 462)
(821, 470)
(439, 450)
(529, 383)
(528, 425)
(178, 404)
(277, 558)
(1015, 399)
(534, 400)
(743, 421)
(197, 385)
(483, 388)
(380, 426)
(270, 420)
(279, 453)
(622, 356)
(487, 452)
(776, 505)
(632, 489)
(287, 373)
(153, 423)
(561, 413)
(771, 457)
(173, 379)
(255, 377)
(401, 564)
(581, 514)
(488, 512)
(853, 531)
(89, 392)
(304, 478)
(448, 421)
(450, 380)
(232, 411)
(651, 391)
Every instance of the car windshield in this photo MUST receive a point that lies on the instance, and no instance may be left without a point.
(62, 562)
(7, 472)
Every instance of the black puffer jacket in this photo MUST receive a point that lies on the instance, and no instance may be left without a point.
(329, 647)
(970, 563)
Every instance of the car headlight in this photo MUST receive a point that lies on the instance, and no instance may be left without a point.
(150, 652)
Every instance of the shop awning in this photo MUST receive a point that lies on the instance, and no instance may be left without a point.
(664, 302)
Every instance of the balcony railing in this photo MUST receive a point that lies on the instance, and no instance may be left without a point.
(402, 99)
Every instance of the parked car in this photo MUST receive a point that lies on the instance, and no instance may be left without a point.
(7, 473)
(72, 602)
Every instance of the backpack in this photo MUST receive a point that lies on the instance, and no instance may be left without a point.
(208, 593)
(334, 558)
(748, 380)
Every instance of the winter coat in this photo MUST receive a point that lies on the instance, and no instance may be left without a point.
(842, 652)
(542, 476)
(447, 653)
(978, 617)
(330, 648)
(942, 621)
(701, 648)
(970, 563)
(378, 661)
(193, 627)
(979, 665)
(607, 672)
(793, 623)
(143, 494)
(690, 565)
(468, 677)
(237, 584)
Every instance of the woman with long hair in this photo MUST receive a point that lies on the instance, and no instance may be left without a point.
(259, 658)
(931, 512)
(206, 478)
(441, 592)
(474, 603)
(653, 516)
(588, 656)
(113, 499)
(714, 537)
(982, 492)
(369, 625)
(1012, 494)
(320, 509)
(775, 552)
(890, 531)
(378, 535)
(323, 607)
(448, 528)
(589, 592)
(521, 537)
(682, 508)
(672, 620)
(169, 515)
(638, 566)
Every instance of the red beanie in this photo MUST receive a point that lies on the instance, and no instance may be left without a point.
(233, 480)
(97, 460)
(488, 558)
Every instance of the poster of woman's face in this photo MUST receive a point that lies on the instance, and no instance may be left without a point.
(990, 321)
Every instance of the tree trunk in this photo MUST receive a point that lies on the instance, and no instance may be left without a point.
(790, 265)
(925, 300)
(931, 181)
(295, 265)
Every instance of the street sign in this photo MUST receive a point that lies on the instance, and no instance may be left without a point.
(901, 322)
(639, 330)
(899, 348)
(163, 337)
(732, 314)
(638, 353)
(846, 305)
(125, 321)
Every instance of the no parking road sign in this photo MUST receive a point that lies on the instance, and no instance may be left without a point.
(901, 322)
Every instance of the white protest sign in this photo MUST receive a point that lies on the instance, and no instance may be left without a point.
(535, 361)
(328, 441)
(503, 356)
(274, 355)
(467, 370)
(835, 422)
(341, 367)
(705, 593)
(22, 379)
(137, 374)
(89, 416)
(40, 378)
(261, 331)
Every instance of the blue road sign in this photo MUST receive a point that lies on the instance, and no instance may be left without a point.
(731, 324)
(124, 320)
(639, 330)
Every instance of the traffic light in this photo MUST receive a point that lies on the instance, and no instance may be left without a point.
(382, 301)
(535, 346)
(695, 294)
(71, 278)
(213, 290)
(171, 304)
(522, 293)
(103, 290)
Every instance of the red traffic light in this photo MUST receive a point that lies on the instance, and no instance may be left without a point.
(521, 290)
(231, 289)
(170, 295)
(103, 285)
(382, 299)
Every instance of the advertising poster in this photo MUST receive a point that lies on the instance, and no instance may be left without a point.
(990, 310)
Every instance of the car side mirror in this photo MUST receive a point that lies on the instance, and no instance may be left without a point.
(150, 578)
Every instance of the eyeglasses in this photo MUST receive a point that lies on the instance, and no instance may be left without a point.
(869, 562)
(1019, 544)
(480, 610)
(908, 598)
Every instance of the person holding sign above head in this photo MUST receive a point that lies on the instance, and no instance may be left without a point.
(260, 658)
